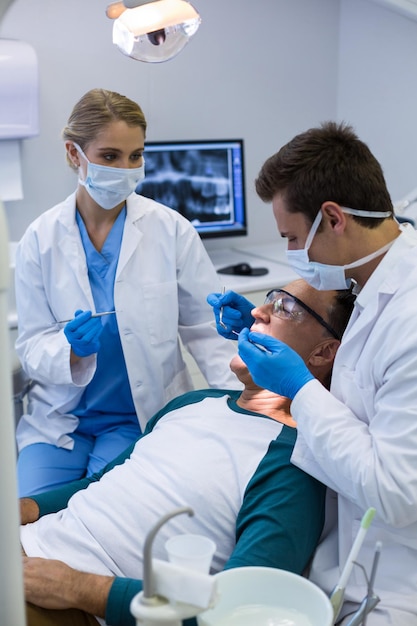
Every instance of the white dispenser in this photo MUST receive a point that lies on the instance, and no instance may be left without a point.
(19, 90)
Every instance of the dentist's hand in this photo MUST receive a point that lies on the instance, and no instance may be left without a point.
(83, 333)
(277, 368)
(236, 313)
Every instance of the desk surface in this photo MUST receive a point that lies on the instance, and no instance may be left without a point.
(272, 257)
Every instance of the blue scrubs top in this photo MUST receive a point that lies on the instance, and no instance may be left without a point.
(108, 395)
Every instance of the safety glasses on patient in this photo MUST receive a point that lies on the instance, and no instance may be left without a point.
(289, 307)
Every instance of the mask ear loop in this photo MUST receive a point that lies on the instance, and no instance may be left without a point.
(313, 230)
(80, 173)
(369, 257)
(69, 151)
(356, 212)
(363, 213)
(80, 151)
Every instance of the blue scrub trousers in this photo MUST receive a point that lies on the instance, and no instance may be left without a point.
(43, 466)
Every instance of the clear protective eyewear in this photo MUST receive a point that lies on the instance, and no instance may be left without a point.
(289, 307)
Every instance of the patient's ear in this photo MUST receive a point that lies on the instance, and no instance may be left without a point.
(324, 353)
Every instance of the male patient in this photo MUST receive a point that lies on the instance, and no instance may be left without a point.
(226, 454)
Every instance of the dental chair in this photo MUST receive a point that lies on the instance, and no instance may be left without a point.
(20, 381)
(21, 385)
(406, 220)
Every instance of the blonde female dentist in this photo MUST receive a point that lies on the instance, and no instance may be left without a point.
(97, 380)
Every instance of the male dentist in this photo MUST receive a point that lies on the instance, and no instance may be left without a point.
(331, 203)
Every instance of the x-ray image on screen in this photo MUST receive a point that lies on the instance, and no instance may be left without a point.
(201, 180)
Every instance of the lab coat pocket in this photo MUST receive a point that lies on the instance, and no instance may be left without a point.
(355, 388)
(161, 311)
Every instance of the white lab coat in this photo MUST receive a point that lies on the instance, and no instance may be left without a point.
(361, 439)
(163, 277)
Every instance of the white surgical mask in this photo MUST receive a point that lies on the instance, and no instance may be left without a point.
(322, 276)
(109, 186)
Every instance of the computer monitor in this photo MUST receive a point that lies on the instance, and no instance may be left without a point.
(202, 180)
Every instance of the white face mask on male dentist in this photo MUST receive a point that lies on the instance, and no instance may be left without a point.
(109, 186)
(322, 276)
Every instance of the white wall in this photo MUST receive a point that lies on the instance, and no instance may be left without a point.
(261, 70)
(378, 87)
(258, 69)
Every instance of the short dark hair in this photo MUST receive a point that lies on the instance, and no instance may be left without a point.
(340, 310)
(327, 163)
(338, 315)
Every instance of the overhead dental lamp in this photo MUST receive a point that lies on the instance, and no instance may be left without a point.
(152, 31)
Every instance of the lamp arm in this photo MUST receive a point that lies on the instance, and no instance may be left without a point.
(402, 205)
(4, 5)
(131, 4)
(115, 9)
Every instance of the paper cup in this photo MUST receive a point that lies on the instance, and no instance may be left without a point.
(191, 551)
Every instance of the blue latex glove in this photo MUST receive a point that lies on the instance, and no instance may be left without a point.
(277, 368)
(236, 313)
(83, 333)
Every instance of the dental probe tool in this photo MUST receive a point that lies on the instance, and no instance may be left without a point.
(371, 594)
(257, 345)
(338, 593)
(222, 324)
(367, 605)
(94, 315)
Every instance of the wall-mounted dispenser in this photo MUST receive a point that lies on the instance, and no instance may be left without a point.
(19, 91)
(19, 111)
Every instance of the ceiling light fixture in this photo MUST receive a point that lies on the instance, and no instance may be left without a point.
(153, 31)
